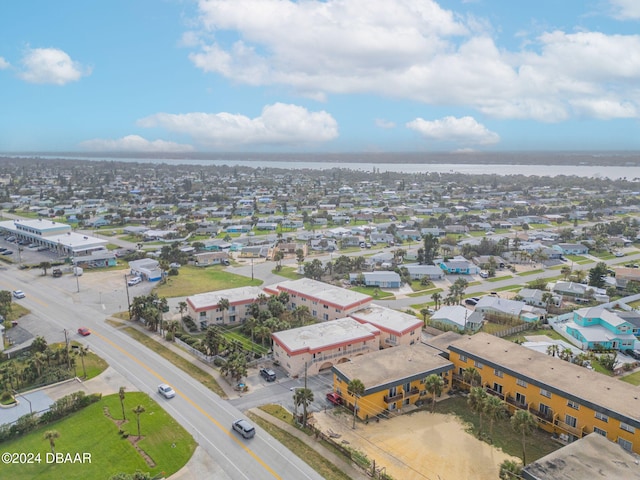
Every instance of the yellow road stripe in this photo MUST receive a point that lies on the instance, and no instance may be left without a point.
(196, 406)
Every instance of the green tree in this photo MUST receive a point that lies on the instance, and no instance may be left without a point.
(597, 275)
(278, 256)
(52, 436)
(223, 305)
(356, 388)
(436, 297)
(471, 376)
(608, 362)
(476, 401)
(424, 312)
(82, 352)
(430, 249)
(510, 470)
(139, 410)
(39, 344)
(121, 396)
(304, 397)
(494, 409)
(524, 423)
(434, 384)
(45, 266)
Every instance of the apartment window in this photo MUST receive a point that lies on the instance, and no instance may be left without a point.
(413, 332)
(602, 416)
(545, 393)
(626, 444)
(326, 306)
(545, 409)
(463, 358)
(498, 373)
(314, 313)
(521, 399)
(497, 388)
(203, 314)
(521, 383)
(599, 431)
(572, 404)
(478, 364)
(325, 316)
(571, 421)
(627, 428)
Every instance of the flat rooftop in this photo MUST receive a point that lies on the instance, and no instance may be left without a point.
(579, 382)
(321, 336)
(592, 456)
(391, 365)
(211, 299)
(325, 293)
(387, 319)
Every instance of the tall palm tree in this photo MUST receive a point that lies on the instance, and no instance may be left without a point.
(121, 395)
(434, 384)
(52, 435)
(476, 401)
(493, 409)
(424, 312)
(522, 421)
(304, 397)
(553, 350)
(182, 308)
(139, 410)
(82, 352)
(471, 376)
(510, 470)
(223, 304)
(356, 388)
(436, 297)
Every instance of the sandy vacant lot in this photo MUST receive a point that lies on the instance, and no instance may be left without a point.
(419, 446)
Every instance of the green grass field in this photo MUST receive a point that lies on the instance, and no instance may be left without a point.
(192, 280)
(530, 272)
(633, 379)
(246, 343)
(374, 292)
(89, 431)
(497, 279)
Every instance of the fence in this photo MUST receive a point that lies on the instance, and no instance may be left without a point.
(208, 359)
(513, 330)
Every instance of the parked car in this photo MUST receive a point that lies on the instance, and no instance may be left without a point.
(84, 331)
(134, 281)
(334, 398)
(471, 302)
(7, 252)
(166, 391)
(244, 428)
(18, 294)
(268, 374)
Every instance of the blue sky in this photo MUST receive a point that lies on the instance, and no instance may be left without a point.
(310, 75)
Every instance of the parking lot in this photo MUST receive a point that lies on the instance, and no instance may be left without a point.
(24, 254)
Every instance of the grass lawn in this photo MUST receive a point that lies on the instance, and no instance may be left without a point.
(603, 255)
(492, 328)
(508, 288)
(192, 280)
(425, 292)
(530, 272)
(288, 272)
(247, 344)
(90, 431)
(324, 467)
(549, 333)
(182, 363)
(374, 292)
(92, 362)
(539, 443)
(633, 379)
(497, 279)
(579, 259)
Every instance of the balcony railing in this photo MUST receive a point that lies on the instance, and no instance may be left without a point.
(391, 341)
(568, 428)
(494, 393)
(344, 353)
(547, 416)
(401, 395)
(512, 401)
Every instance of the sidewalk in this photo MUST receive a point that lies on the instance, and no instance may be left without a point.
(339, 462)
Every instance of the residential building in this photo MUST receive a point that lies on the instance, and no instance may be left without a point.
(505, 308)
(396, 328)
(461, 267)
(204, 259)
(377, 279)
(537, 298)
(322, 345)
(418, 272)
(205, 308)
(146, 268)
(567, 400)
(324, 301)
(571, 248)
(458, 317)
(601, 328)
(393, 378)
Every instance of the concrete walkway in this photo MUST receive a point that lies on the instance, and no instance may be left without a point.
(346, 467)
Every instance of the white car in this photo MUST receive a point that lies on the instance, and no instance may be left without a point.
(134, 281)
(166, 391)
(18, 294)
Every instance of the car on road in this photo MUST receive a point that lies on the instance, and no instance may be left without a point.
(84, 331)
(18, 294)
(334, 398)
(244, 428)
(619, 254)
(134, 281)
(166, 391)
(268, 374)
(7, 252)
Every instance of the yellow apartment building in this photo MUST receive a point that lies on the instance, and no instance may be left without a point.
(393, 378)
(567, 400)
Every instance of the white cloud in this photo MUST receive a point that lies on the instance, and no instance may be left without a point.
(464, 130)
(278, 124)
(51, 65)
(134, 143)
(386, 124)
(4, 64)
(419, 51)
(626, 9)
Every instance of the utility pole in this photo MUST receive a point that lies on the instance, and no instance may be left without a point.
(126, 285)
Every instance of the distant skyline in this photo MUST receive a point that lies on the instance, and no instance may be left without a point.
(319, 76)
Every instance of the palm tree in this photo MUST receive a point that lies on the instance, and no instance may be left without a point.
(279, 255)
(553, 350)
(471, 376)
(493, 409)
(510, 470)
(565, 271)
(424, 312)
(434, 384)
(356, 388)
(139, 410)
(476, 402)
(52, 435)
(82, 352)
(436, 297)
(121, 395)
(45, 266)
(223, 304)
(304, 397)
(523, 422)
(182, 307)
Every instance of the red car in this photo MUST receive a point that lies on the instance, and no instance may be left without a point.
(334, 398)
(84, 331)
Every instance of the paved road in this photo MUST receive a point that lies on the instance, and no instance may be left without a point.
(200, 411)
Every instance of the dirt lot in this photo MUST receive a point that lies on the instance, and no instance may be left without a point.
(419, 446)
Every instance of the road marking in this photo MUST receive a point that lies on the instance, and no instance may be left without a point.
(229, 433)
